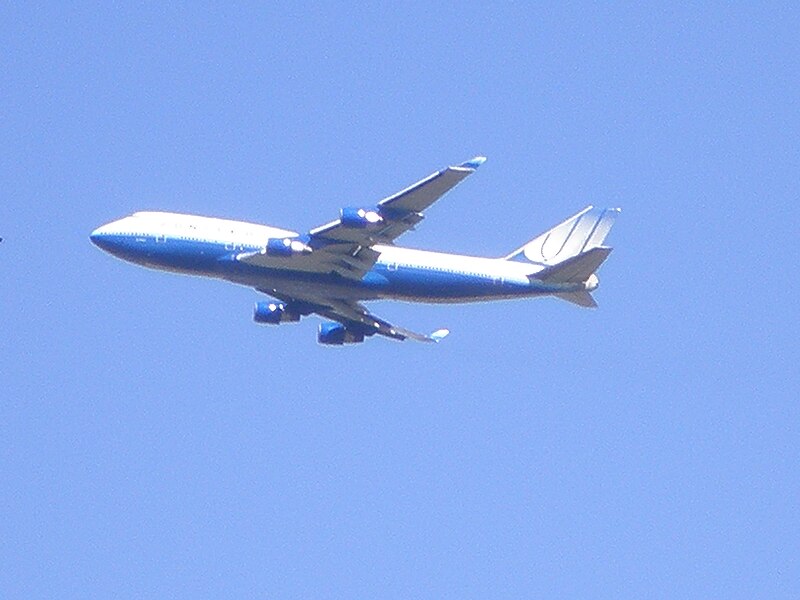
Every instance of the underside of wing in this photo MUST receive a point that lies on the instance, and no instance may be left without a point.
(351, 261)
(353, 317)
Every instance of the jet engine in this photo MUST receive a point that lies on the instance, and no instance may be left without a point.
(272, 313)
(360, 218)
(286, 247)
(336, 334)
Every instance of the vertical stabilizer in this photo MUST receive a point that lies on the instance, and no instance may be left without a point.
(579, 233)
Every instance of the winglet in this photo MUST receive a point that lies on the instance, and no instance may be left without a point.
(439, 335)
(473, 163)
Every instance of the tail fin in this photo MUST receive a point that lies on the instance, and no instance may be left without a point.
(570, 253)
(576, 235)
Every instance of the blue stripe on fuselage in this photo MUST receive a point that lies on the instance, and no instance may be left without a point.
(216, 259)
(432, 283)
(187, 256)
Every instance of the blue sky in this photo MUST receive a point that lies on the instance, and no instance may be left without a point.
(154, 442)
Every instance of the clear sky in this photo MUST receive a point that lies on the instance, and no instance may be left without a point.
(155, 442)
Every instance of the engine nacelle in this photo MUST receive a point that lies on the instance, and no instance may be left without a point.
(336, 334)
(286, 247)
(272, 313)
(360, 218)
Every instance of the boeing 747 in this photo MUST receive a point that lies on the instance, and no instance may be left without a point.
(331, 270)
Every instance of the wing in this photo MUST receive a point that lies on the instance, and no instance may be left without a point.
(396, 214)
(344, 246)
(355, 317)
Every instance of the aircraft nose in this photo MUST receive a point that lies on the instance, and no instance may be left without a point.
(100, 238)
(96, 236)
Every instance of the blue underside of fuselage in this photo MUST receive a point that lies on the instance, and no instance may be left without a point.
(212, 259)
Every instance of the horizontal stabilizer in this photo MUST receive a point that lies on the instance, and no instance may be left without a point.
(576, 269)
(581, 298)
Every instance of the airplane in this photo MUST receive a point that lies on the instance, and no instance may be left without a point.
(331, 270)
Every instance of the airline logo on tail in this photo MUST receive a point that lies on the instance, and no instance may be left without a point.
(581, 232)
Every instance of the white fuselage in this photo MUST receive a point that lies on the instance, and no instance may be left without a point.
(209, 246)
